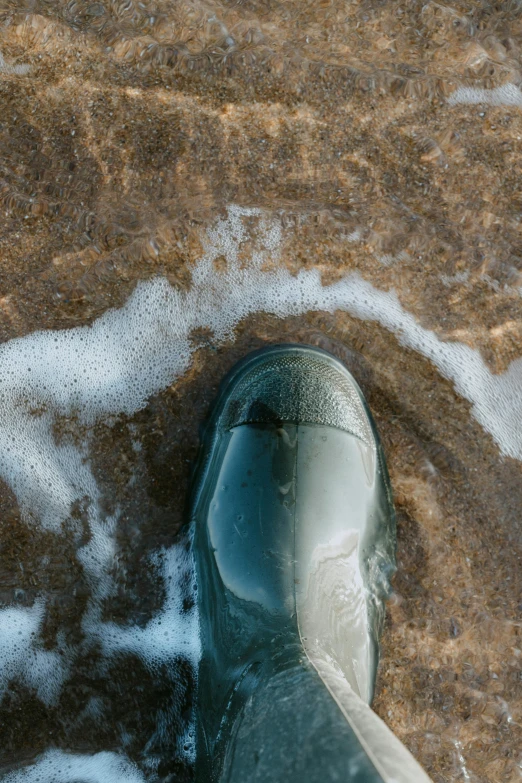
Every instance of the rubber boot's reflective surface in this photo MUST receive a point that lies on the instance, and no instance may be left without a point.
(295, 544)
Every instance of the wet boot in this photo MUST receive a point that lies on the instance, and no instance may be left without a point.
(294, 540)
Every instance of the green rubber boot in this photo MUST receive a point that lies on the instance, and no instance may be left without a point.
(294, 539)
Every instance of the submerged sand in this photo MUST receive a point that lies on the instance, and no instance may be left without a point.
(127, 129)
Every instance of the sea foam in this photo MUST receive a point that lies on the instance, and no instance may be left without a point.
(55, 766)
(113, 367)
(21, 657)
(505, 95)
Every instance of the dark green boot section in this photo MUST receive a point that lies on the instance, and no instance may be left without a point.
(294, 538)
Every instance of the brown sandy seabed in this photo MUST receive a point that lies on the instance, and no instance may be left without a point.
(134, 127)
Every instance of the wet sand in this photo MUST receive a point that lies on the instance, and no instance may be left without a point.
(126, 130)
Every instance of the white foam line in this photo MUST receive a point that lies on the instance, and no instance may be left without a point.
(127, 355)
(55, 766)
(506, 95)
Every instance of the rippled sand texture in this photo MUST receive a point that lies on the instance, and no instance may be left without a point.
(126, 129)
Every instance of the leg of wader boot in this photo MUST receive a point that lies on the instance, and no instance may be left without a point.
(291, 730)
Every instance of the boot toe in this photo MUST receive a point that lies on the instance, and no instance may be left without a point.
(295, 384)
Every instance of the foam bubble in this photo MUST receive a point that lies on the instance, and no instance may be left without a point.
(55, 766)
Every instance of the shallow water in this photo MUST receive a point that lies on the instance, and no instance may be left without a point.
(231, 175)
